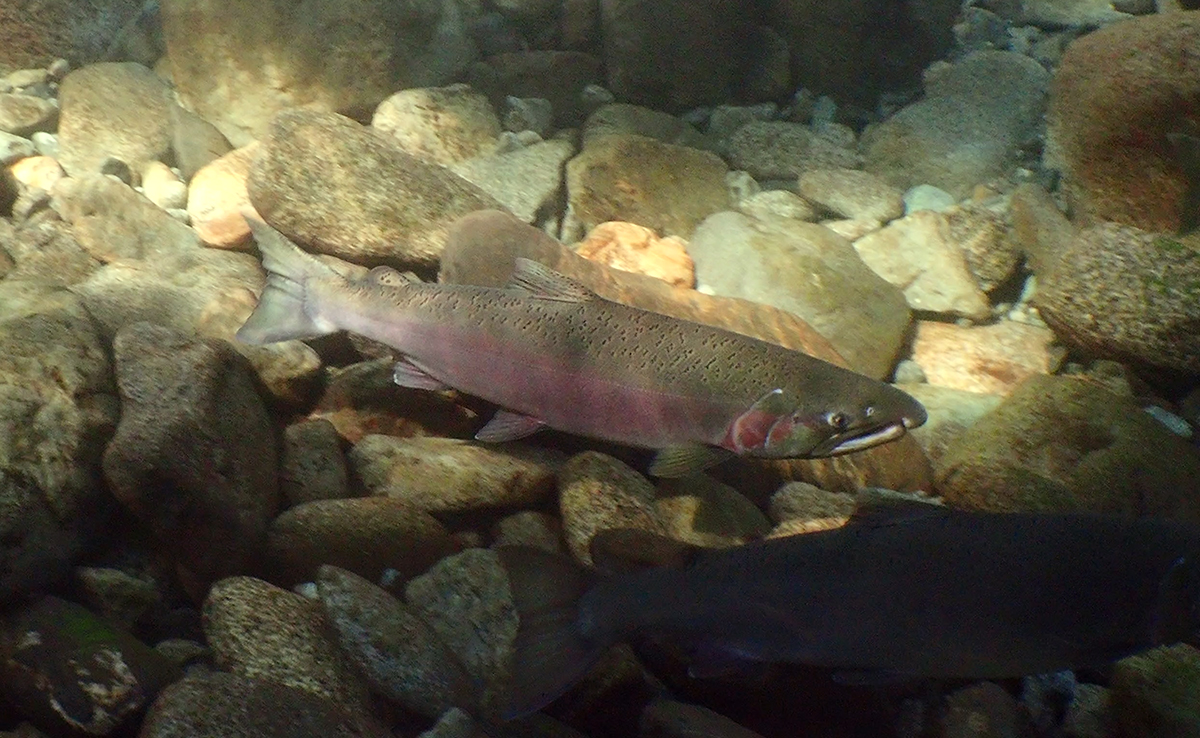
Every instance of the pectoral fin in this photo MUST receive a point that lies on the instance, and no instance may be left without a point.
(408, 374)
(508, 426)
(680, 461)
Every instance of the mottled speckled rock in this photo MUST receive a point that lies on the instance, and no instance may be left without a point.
(365, 535)
(312, 465)
(117, 109)
(698, 509)
(664, 718)
(398, 652)
(1061, 444)
(444, 125)
(983, 710)
(194, 454)
(260, 631)
(1157, 693)
(1116, 96)
(346, 190)
(22, 115)
(968, 126)
(482, 248)
(446, 474)
(239, 62)
(529, 528)
(1126, 294)
(850, 193)
(113, 221)
(466, 601)
(951, 412)
(770, 149)
(220, 705)
(528, 180)
(634, 248)
(598, 492)
(803, 502)
(618, 118)
(992, 359)
(1039, 229)
(68, 670)
(642, 180)
(810, 271)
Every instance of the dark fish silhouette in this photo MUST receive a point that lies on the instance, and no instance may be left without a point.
(903, 591)
(553, 353)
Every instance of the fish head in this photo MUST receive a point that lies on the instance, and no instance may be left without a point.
(780, 427)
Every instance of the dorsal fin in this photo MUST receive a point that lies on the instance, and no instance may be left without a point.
(392, 278)
(884, 507)
(543, 282)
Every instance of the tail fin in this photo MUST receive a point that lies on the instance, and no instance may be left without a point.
(549, 654)
(283, 311)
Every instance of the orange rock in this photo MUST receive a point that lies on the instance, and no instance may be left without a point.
(1117, 94)
(216, 196)
(36, 172)
(992, 359)
(634, 248)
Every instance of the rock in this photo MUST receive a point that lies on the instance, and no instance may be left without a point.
(623, 118)
(113, 109)
(450, 475)
(36, 173)
(633, 248)
(14, 148)
(665, 718)
(850, 193)
(1056, 14)
(918, 254)
(951, 412)
(482, 248)
(1090, 714)
(216, 195)
(323, 56)
(1040, 231)
(777, 204)
(641, 180)
(1117, 96)
(982, 234)
(120, 597)
(194, 142)
(862, 315)
(163, 187)
(221, 705)
(672, 54)
(528, 180)
(1063, 444)
(362, 400)
(58, 30)
(967, 128)
(399, 653)
(557, 76)
(312, 465)
(529, 528)
(770, 149)
(1155, 693)
(68, 670)
(991, 359)
(260, 631)
(983, 710)
(112, 221)
(1118, 292)
(444, 125)
(801, 502)
(46, 256)
(598, 492)
(365, 535)
(58, 407)
(704, 512)
(23, 115)
(528, 114)
(343, 189)
(466, 600)
(185, 403)
(927, 197)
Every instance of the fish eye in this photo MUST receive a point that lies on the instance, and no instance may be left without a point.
(837, 420)
(869, 410)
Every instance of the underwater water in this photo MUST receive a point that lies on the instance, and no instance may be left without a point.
(600, 367)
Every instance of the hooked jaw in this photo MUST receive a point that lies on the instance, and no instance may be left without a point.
(867, 435)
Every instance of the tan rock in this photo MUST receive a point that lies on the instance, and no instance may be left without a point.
(992, 359)
(634, 248)
(216, 196)
(162, 187)
(36, 172)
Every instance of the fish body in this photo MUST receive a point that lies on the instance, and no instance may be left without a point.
(912, 591)
(550, 352)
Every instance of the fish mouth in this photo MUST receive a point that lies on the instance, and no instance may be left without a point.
(851, 441)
